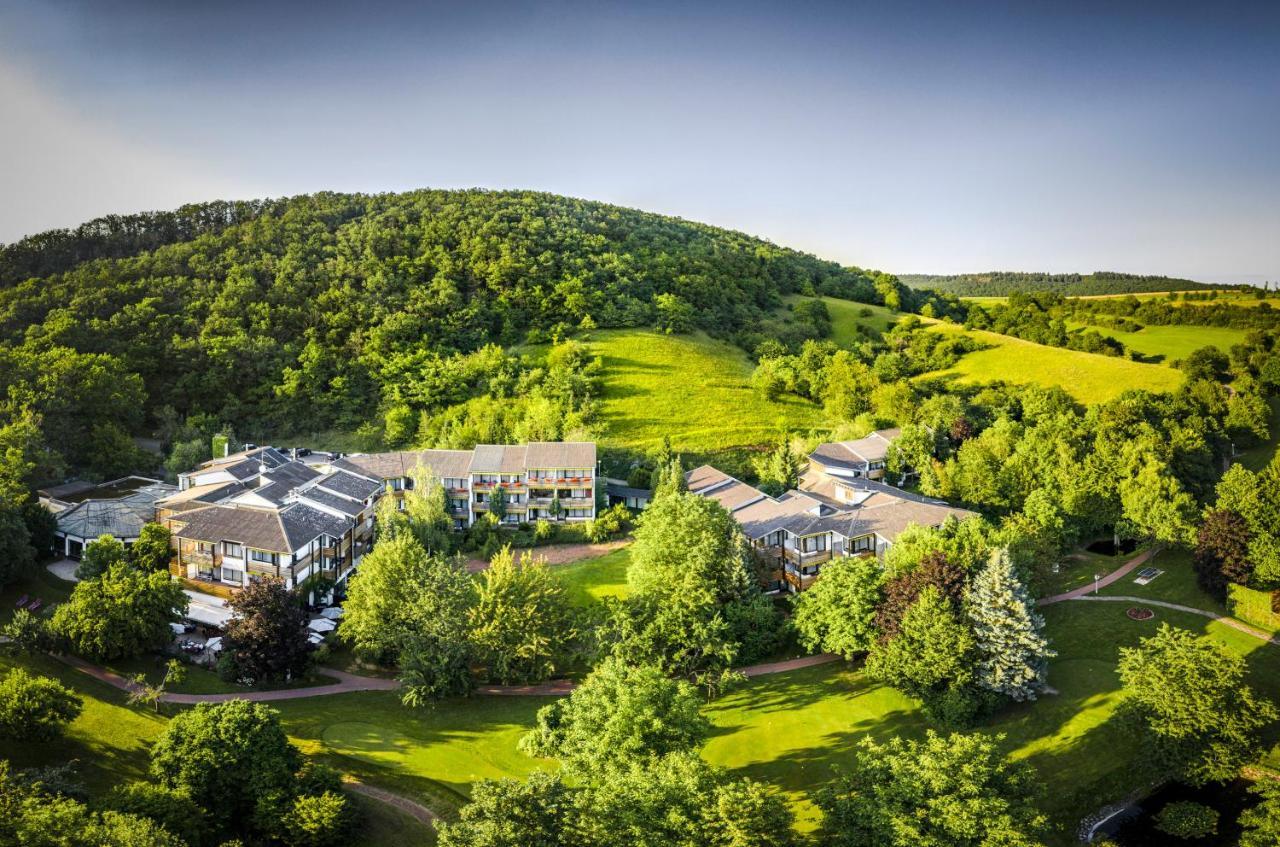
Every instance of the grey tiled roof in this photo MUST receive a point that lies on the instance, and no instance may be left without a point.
(121, 517)
(853, 455)
(349, 484)
(292, 474)
(303, 523)
(333, 501)
(484, 458)
(257, 528)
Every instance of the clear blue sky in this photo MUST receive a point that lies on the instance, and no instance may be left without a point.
(915, 137)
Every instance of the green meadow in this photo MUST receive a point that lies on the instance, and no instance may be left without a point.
(847, 316)
(1172, 342)
(692, 388)
(1088, 377)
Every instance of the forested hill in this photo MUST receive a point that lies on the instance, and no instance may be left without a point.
(1004, 283)
(326, 309)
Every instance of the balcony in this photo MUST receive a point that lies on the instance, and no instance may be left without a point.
(811, 558)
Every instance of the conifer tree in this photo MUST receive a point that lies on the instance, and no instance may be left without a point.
(1008, 631)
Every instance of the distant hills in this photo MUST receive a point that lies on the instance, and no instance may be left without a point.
(1004, 283)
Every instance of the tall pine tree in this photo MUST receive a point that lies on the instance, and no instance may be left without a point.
(1007, 628)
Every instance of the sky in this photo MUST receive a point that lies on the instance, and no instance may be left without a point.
(915, 137)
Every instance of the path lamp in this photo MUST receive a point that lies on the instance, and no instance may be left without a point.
(1096, 578)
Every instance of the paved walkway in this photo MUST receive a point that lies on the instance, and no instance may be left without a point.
(1115, 576)
(64, 569)
(1222, 619)
(558, 554)
(410, 807)
(346, 683)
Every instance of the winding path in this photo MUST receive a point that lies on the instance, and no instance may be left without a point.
(1115, 576)
(1222, 619)
(409, 806)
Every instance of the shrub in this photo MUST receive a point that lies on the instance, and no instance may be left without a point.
(35, 708)
(544, 531)
(1187, 820)
(320, 820)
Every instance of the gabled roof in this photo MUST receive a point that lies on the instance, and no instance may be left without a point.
(349, 485)
(333, 501)
(498, 458)
(452, 464)
(560, 455)
(854, 455)
(885, 511)
(276, 531)
(291, 474)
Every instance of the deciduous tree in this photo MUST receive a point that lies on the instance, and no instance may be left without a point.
(1189, 694)
(99, 556)
(943, 791)
(619, 714)
(122, 613)
(267, 636)
(520, 620)
(35, 708)
(838, 612)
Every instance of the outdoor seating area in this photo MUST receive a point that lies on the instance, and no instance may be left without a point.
(31, 604)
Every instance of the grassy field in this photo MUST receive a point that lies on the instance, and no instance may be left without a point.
(591, 580)
(1087, 377)
(847, 316)
(1171, 343)
(692, 388)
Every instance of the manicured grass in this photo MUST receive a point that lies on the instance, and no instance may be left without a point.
(1176, 585)
(383, 825)
(1171, 343)
(1088, 377)
(692, 388)
(591, 580)
(1078, 569)
(109, 741)
(432, 754)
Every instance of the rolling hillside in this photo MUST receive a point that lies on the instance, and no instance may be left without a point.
(694, 389)
(1002, 283)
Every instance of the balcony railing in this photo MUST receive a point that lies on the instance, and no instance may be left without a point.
(810, 558)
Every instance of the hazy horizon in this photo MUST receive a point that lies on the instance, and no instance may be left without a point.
(915, 138)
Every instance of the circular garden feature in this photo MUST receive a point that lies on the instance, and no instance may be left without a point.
(1138, 614)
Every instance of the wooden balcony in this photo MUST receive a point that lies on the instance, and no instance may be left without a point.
(811, 558)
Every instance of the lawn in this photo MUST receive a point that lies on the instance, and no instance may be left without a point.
(788, 729)
(692, 388)
(1173, 342)
(591, 580)
(1088, 377)
(1176, 585)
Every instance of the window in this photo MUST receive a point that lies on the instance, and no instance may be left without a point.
(204, 548)
(231, 575)
(813, 543)
(262, 557)
(233, 550)
(863, 544)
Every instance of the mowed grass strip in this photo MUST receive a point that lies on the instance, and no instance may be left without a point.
(692, 388)
(1088, 377)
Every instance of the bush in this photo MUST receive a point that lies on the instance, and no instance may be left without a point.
(610, 523)
(1187, 820)
(173, 810)
(35, 708)
(544, 531)
(323, 820)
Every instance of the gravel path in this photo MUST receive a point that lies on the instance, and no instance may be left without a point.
(1231, 622)
(410, 807)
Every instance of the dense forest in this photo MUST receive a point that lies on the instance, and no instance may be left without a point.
(338, 310)
(1004, 283)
